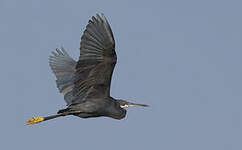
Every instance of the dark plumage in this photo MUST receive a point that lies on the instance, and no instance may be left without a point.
(86, 83)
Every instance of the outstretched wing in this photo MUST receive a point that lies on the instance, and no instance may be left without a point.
(63, 66)
(96, 62)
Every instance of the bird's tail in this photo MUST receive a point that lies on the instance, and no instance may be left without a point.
(63, 111)
(36, 120)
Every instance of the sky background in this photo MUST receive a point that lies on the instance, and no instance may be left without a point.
(183, 58)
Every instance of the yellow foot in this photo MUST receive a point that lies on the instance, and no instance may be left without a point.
(35, 120)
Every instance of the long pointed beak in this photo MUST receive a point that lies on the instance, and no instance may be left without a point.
(133, 104)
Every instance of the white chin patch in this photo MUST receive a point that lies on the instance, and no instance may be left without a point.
(124, 106)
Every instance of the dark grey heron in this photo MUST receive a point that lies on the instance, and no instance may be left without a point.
(85, 84)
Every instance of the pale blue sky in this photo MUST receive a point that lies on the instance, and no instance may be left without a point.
(183, 58)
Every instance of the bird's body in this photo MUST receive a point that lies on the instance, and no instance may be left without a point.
(108, 107)
(86, 83)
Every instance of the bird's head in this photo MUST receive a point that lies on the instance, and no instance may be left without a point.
(125, 104)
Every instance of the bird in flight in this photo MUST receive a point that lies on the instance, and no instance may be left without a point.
(86, 83)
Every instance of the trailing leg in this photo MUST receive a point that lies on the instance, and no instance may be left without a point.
(36, 120)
